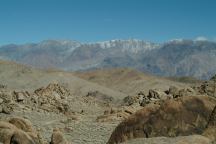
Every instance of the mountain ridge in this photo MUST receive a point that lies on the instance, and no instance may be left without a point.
(173, 58)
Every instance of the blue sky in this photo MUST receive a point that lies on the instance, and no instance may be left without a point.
(24, 21)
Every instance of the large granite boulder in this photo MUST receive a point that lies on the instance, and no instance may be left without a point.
(174, 117)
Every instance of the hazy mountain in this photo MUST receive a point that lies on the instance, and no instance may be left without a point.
(182, 58)
(173, 58)
(49, 53)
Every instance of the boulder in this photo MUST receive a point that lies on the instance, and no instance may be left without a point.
(58, 137)
(210, 132)
(192, 139)
(10, 134)
(174, 117)
(6, 101)
(20, 97)
(6, 96)
(7, 108)
(173, 90)
(1, 100)
(212, 119)
(22, 124)
(156, 94)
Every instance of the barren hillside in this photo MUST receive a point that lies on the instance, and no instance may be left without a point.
(128, 81)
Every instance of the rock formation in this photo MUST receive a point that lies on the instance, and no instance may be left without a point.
(207, 88)
(20, 131)
(117, 114)
(52, 98)
(211, 126)
(17, 133)
(174, 117)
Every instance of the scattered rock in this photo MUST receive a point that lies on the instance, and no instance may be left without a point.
(153, 97)
(6, 96)
(57, 137)
(130, 100)
(20, 97)
(157, 94)
(207, 88)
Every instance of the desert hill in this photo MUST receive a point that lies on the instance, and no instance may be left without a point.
(129, 81)
(18, 76)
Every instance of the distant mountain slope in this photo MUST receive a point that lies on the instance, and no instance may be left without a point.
(184, 58)
(173, 58)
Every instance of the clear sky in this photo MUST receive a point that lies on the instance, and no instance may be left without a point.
(24, 21)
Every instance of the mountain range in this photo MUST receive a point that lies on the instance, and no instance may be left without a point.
(173, 58)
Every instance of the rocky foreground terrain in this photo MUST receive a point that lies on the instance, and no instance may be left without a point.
(103, 106)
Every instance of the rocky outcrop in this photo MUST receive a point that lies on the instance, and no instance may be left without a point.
(52, 98)
(207, 88)
(53, 90)
(174, 117)
(155, 95)
(175, 92)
